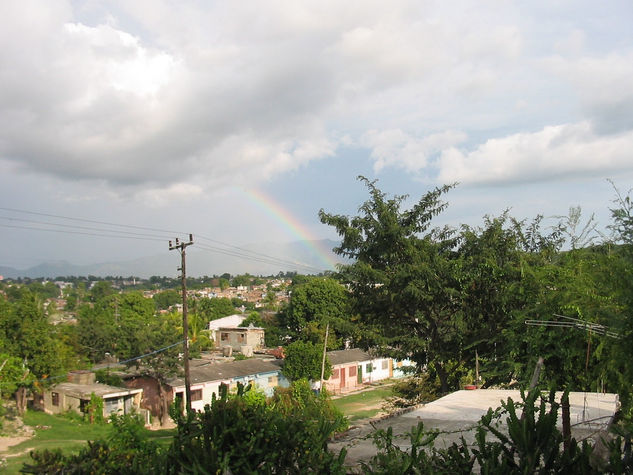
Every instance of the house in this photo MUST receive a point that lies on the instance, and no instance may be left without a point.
(240, 337)
(230, 321)
(206, 377)
(354, 367)
(375, 369)
(345, 370)
(75, 395)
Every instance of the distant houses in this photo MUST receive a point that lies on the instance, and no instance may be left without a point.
(75, 396)
(206, 378)
(353, 368)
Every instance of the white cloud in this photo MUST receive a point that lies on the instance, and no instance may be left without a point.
(556, 152)
(143, 94)
(178, 192)
(395, 148)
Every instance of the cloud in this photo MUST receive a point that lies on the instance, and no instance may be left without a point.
(395, 148)
(555, 152)
(603, 87)
(143, 95)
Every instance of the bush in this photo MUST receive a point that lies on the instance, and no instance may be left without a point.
(232, 436)
(412, 391)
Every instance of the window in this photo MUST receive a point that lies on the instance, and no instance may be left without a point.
(224, 336)
(55, 399)
(369, 368)
(385, 364)
(335, 374)
(241, 337)
(196, 394)
(352, 371)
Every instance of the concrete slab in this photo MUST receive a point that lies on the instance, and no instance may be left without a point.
(456, 415)
(587, 410)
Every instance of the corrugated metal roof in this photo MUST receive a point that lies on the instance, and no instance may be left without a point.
(347, 356)
(228, 370)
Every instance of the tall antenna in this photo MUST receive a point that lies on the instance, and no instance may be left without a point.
(181, 246)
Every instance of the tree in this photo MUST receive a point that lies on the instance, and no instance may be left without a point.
(164, 300)
(303, 361)
(212, 309)
(405, 279)
(314, 303)
(100, 290)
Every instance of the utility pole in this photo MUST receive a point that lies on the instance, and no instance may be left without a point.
(327, 329)
(181, 246)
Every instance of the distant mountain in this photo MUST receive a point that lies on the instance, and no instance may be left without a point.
(305, 257)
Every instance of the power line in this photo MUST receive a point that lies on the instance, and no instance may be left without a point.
(229, 249)
(135, 358)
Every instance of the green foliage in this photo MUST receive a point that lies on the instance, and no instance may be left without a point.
(423, 457)
(212, 309)
(253, 319)
(13, 373)
(316, 302)
(243, 280)
(127, 451)
(104, 376)
(101, 289)
(413, 390)
(94, 409)
(505, 443)
(405, 279)
(304, 360)
(167, 298)
(233, 435)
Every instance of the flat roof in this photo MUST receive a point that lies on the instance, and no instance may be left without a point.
(83, 391)
(457, 414)
(587, 410)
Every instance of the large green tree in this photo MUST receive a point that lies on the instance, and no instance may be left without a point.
(303, 360)
(315, 303)
(405, 278)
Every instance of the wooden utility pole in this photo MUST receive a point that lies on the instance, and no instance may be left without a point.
(185, 323)
(327, 329)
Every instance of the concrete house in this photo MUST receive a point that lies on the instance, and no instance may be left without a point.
(344, 370)
(239, 337)
(207, 377)
(352, 368)
(75, 395)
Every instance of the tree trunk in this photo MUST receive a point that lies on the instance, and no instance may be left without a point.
(20, 400)
(443, 375)
(163, 409)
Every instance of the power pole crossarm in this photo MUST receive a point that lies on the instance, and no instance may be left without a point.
(181, 246)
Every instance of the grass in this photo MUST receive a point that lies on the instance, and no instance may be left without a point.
(66, 433)
(363, 405)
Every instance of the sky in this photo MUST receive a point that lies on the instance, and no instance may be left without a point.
(238, 121)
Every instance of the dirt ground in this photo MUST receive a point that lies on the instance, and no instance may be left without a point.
(6, 442)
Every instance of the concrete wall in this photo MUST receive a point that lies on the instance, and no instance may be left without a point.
(238, 337)
(344, 378)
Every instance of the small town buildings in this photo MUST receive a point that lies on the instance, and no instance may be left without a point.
(206, 378)
(75, 395)
(238, 338)
(354, 367)
(345, 364)
(230, 321)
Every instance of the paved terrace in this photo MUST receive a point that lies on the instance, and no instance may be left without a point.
(456, 414)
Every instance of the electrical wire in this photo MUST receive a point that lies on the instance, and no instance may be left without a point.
(160, 350)
(228, 249)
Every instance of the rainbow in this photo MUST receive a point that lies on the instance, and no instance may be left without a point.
(291, 224)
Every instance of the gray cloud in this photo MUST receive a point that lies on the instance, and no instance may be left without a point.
(143, 96)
